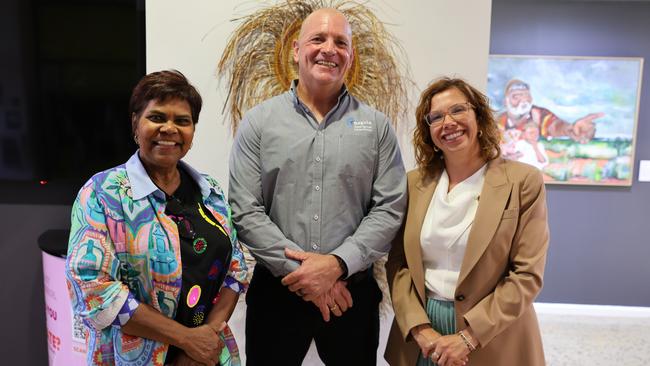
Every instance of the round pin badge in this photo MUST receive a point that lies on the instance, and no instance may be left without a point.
(199, 245)
(193, 296)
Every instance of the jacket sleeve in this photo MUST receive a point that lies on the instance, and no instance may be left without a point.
(92, 267)
(406, 302)
(237, 277)
(372, 238)
(517, 290)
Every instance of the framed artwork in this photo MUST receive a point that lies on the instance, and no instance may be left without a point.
(574, 118)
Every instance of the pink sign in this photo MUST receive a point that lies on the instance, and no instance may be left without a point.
(66, 335)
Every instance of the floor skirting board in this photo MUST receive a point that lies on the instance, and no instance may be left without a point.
(592, 310)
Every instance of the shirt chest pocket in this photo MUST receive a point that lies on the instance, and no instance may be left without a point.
(357, 154)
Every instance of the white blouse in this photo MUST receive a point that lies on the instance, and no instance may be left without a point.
(445, 231)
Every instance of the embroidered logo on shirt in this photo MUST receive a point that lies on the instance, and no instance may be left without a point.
(215, 270)
(199, 315)
(359, 126)
(199, 245)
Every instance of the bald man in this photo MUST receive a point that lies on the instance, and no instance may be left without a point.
(317, 188)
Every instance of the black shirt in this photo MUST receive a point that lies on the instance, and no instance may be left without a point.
(205, 254)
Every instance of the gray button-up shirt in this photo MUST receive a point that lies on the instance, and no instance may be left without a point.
(337, 187)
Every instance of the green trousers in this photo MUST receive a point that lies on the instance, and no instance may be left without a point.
(443, 320)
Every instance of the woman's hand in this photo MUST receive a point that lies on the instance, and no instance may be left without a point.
(426, 338)
(203, 344)
(450, 350)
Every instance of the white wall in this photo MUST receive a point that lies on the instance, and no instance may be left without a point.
(438, 37)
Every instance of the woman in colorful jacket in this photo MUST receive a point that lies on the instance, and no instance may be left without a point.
(154, 268)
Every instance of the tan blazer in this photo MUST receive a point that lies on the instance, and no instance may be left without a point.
(500, 276)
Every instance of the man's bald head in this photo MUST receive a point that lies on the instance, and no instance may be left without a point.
(324, 12)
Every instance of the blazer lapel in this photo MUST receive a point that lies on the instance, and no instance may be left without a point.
(421, 197)
(492, 201)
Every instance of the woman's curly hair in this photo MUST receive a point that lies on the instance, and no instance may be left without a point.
(430, 162)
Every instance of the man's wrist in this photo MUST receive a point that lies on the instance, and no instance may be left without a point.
(342, 266)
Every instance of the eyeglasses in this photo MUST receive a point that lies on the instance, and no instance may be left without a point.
(176, 212)
(457, 112)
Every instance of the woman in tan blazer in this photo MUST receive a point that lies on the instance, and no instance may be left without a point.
(469, 261)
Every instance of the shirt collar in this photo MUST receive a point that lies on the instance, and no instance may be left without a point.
(294, 92)
(142, 185)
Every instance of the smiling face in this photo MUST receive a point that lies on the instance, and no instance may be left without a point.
(454, 138)
(164, 132)
(323, 50)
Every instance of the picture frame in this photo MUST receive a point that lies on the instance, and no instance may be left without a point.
(573, 117)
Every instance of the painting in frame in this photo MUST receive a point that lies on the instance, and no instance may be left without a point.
(574, 118)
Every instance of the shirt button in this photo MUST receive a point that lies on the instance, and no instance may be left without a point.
(319, 133)
(314, 246)
(318, 159)
(460, 298)
(315, 217)
(317, 188)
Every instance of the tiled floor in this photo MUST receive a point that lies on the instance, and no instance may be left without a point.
(572, 334)
(596, 339)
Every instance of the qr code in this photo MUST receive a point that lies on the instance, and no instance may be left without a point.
(78, 329)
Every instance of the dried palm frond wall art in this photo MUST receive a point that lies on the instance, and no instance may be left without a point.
(258, 60)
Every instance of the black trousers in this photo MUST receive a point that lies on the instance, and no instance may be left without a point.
(280, 325)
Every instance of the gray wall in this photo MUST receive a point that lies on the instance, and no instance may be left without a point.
(23, 339)
(600, 237)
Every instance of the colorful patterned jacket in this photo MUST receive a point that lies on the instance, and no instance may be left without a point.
(123, 247)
